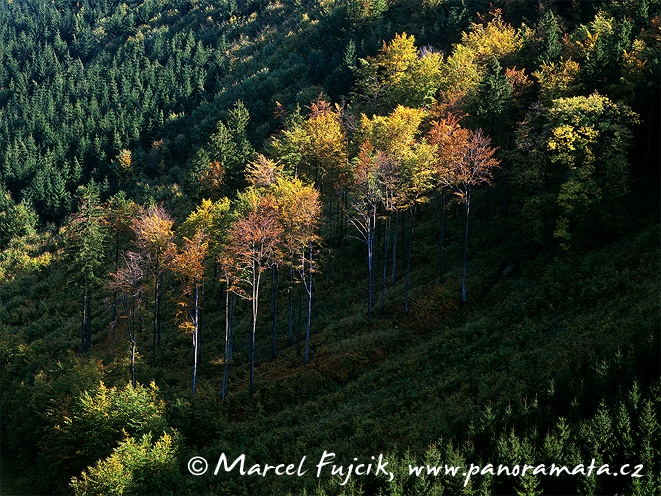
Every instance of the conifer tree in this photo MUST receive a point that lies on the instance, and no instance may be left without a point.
(85, 237)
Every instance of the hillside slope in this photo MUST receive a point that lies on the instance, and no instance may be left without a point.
(146, 146)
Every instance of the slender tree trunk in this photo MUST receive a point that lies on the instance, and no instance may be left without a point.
(88, 323)
(114, 293)
(232, 300)
(199, 317)
(274, 308)
(345, 223)
(441, 241)
(255, 306)
(386, 246)
(330, 237)
(309, 291)
(133, 362)
(300, 317)
(132, 338)
(408, 263)
(156, 307)
(394, 246)
(196, 327)
(404, 233)
(227, 343)
(370, 269)
(375, 253)
(290, 330)
(375, 234)
(463, 280)
(83, 319)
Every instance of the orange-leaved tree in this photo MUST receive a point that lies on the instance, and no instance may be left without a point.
(365, 195)
(254, 247)
(465, 159)
(188, 266)
(153, 236)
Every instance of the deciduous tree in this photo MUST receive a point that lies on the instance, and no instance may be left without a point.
(299, 211)
(465, 160)
(254, 247)
(400, 74)
(589, 138)
(153, 237)
(188, 266)
(126, 284)
(120, 213)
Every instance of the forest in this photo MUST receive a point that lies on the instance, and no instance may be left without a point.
(423, 233)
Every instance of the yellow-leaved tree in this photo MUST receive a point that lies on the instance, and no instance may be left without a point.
(400, 74)
(153, 236)
(299, 212)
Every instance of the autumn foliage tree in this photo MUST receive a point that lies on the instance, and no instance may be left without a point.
(254, 247)
(572, 164)
(153, 236)
(462, 72)
(465, 160)
(120, 211)
(126, 284)
(326, 151)
(314, 148)
(364, 198)
(299, 212)
(227, 272)
(213, 218)
(400, 74)
(188, 266)
(404, 160)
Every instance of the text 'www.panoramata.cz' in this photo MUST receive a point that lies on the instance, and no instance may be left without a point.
(326, 466)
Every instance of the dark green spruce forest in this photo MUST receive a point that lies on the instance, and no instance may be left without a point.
(415, 234)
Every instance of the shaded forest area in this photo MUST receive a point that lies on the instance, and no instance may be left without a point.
(421, 228)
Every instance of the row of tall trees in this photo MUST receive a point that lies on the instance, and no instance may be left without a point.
(229, 244)
(381, 167)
